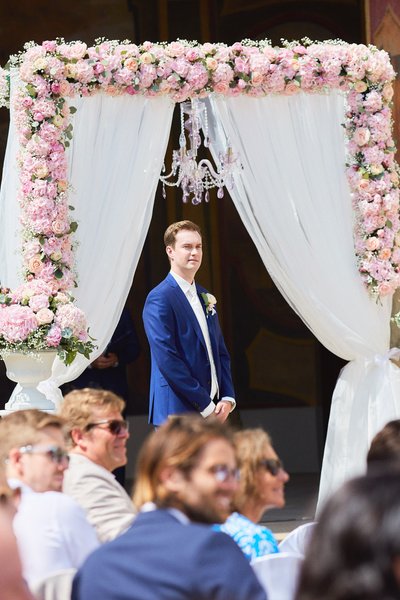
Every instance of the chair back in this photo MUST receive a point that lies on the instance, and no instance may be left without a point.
(278, 574)
(57, 586)
(297, 541)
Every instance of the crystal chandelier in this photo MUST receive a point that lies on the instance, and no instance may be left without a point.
(197, 177)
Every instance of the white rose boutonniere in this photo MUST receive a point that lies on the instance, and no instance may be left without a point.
(210, 301)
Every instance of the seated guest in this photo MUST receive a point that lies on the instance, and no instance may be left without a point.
(186, 478)
(261, 487)
(12, 584)
(98, 436)
(51, 528)
(385, 447)
(354, 552)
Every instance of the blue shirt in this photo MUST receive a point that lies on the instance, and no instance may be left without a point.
(254, 540)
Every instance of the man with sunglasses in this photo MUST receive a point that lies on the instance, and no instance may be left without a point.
(51, 529)
(185, 481)
(98, 436)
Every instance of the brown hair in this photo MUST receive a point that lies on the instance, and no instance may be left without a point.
(385, 446)
(174, 228)
(77, 405)
(23, 427)
(177, 443)
(250, 446)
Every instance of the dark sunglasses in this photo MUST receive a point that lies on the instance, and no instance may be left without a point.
(114, 426)
(55, 453)
(273, 465)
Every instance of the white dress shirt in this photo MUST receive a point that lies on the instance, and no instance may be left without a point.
(52, 533)
(190, 292)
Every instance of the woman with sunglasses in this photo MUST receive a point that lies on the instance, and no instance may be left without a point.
(261, 487)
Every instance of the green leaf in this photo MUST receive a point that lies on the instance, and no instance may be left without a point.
(73, 227)
(58, 274)
(72, 110)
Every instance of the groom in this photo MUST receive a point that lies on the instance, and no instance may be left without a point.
(190, 365)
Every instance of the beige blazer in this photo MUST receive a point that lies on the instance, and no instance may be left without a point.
(107, 505)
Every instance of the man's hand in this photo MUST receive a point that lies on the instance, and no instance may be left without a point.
(222, 410)
(105, 362)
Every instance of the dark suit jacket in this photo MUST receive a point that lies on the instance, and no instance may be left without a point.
(159, 558)
(180, 369)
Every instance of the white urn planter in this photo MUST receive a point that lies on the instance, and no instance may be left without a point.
(29, 370)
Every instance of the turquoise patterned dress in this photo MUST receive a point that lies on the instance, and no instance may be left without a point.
(254, 540)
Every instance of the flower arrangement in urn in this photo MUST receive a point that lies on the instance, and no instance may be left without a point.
(34, 318)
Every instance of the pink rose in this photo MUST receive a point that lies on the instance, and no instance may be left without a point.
(372, 243)
(385, 254)
(58, 227)
(384, 289)
(44, 316)
(361, 136)
(35, 264)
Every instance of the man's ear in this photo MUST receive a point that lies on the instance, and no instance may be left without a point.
(173, 479)
(169, 250)
(13, 462)
(78, 437)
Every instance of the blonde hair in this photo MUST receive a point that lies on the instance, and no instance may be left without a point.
(24, 427)
(77, 406)
(178, 443)
(250, 446)
(175, 228)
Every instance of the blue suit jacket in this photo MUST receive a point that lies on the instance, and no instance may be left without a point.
(180, 369)
(159, 558)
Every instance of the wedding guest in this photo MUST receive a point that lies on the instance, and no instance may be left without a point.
(51, 528)
(354, 552)
(12, 584)
(109, 370)
(261, 487)
(190, 365)
(384, 451)
(98, 436)
(186, 478)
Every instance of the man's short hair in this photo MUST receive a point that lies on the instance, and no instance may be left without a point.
(77, 406)
(174, 228)
(385, 446)
(250, 446)
(24, 427)
(177, 443)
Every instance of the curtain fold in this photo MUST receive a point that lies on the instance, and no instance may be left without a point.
(115, 160)
(293, 198)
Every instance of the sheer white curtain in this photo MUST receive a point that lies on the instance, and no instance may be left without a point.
(10, 240)
(115, 160)
(292, 195)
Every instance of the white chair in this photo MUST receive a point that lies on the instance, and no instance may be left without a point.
(57, 586)
(278, 574)
(297, 540)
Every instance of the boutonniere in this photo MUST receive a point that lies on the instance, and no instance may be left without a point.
(210, 301)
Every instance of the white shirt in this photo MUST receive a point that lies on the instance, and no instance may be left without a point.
(52, 533)
(190, 292)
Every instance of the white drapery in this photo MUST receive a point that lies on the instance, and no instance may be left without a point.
(115, 160)
(292, 195)
(293, 198)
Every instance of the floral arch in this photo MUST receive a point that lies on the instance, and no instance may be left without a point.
(49, 85)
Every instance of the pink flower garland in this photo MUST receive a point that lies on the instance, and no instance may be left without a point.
(55, 70)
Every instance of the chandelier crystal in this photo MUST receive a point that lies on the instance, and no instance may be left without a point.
(197, 177)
